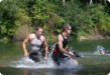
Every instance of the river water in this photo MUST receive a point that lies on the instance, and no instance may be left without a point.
(12, 61)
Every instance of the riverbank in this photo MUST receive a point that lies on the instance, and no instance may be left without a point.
(92, 37)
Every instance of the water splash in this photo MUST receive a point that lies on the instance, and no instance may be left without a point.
(0, 0)
(69, 64)
(28, 63)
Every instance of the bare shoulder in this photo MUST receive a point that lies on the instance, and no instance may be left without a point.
(59, 37)
(43, 38)
(31, 36)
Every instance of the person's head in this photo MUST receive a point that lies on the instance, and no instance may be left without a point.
(67, 28)
(39, 31)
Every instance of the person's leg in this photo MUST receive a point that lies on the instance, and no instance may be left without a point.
(56, 59)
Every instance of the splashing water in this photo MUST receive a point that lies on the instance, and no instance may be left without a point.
(97, 52)
(0, 0)
(28, 63)
(69, 64)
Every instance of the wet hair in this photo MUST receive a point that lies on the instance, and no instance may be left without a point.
(66, 26)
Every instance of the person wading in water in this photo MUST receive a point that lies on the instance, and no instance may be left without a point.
(61, 46)
(35, 41)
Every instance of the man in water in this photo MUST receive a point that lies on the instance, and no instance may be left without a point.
(102, 50)
(36, 41)
(60, 51)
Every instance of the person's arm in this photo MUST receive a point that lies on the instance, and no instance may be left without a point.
(66, 47)
(60, 39)
(26, 54)
(45, 47)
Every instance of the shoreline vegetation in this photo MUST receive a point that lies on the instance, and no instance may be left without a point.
(90, 19)
(23, 31)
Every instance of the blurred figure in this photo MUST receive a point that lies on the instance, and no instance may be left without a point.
(61, 47)
(101, 49)
(35, 41)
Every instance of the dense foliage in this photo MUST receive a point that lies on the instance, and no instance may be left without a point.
(87, 17)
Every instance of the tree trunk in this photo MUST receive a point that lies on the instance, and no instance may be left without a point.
(63, 1)
(91, 2)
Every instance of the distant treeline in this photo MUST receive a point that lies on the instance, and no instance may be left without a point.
(90, 19)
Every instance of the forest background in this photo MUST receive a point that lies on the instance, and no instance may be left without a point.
(90, 19)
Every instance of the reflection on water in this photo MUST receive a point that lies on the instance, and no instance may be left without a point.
(50, 72)
(86, 70)
(20, 71)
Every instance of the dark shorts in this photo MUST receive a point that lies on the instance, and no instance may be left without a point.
(34, 56)
(59, 58)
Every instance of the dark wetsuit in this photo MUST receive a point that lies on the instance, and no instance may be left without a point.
(58, 56)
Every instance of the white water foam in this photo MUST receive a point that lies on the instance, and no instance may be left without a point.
(70, 64)
(28, 63)
(97, 52)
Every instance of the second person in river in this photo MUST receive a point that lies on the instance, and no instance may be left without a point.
(60, 52)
